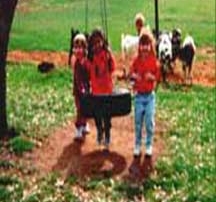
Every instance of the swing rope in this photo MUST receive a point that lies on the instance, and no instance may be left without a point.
(86, 16)
(103, 13)
(105, 19)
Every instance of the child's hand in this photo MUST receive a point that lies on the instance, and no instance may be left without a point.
(121, 74)
(136, 77)
(149, 76)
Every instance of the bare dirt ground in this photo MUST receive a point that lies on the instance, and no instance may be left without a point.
(83, 158)
(86, 159)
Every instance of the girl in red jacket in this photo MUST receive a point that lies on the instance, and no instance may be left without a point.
(144, 73)
(80, 66)
(102, 67)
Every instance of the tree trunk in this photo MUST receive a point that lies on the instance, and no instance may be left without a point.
(7, 9)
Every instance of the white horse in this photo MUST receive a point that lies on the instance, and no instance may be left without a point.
(129, 43)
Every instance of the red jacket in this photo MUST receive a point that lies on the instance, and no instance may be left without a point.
(102, 66)
(81, 77)
(141, 68)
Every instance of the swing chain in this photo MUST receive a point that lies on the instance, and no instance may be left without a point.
(103, 12)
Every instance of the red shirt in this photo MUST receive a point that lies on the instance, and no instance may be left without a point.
(141, 67)
(102, 66)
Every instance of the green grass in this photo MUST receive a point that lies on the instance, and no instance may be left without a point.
(49, 190)
(187, 170)
(11, 189)
(6, 164)
(20, 145)
(38, 103)
(45, 25)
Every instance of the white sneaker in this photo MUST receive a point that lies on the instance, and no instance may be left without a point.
(137, 151)
(149, 150)
(86, 128)
(78, 133)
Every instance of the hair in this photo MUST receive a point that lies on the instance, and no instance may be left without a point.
(139, 17)
(80, 39)
(96, 33)
(146, 36)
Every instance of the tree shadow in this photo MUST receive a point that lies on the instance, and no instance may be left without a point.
(98, 163)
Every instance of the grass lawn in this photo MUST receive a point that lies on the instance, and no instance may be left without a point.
(45, 25)
(41, 102)
(185, 172)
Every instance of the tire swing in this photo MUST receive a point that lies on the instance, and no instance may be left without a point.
(119, 102)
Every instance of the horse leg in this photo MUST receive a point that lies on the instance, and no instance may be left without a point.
(185, 73)
(163, 73)
(190, 75)
(171, 67)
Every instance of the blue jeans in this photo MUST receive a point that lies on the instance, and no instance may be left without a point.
(144, 112)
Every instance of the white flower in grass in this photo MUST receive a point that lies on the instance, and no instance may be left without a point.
(10, 188)
(59, 183)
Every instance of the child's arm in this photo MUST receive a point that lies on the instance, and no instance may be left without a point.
(133, 74)
(157, 75)
(72, 61)
(111, 61)
(154, 73)
(88, 71)
(150, 76)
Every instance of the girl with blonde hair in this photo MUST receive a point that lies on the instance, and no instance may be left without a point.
(144, 72)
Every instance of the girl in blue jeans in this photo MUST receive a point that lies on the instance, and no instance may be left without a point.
(144, 112)
(144, 73)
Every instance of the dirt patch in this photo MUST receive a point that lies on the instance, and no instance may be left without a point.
(35, 57)
(203, 70)
(84, 158)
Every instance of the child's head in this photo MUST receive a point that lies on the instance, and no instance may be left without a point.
(146, 43)
(139, 21)
(79, 46)
(97, 40)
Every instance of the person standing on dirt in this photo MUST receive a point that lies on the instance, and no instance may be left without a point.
(144, 72)
(81, 86)
(102, 67)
